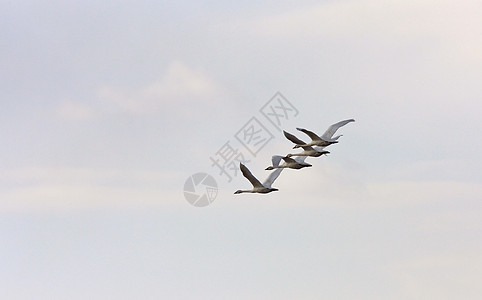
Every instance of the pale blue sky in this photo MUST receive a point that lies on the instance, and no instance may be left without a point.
(108, 107)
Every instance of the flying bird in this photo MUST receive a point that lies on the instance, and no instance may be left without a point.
(259, 187)
(326, 138)
(308, 150)
(291, 163)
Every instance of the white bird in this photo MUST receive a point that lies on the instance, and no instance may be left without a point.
(308, 150)
(298, 163)
(326, 138)
(259, 187)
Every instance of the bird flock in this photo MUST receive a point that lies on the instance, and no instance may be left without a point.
(315, 148)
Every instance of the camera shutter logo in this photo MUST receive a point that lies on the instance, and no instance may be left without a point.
(200, 189)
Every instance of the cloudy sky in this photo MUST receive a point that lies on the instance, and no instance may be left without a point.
(108, 107)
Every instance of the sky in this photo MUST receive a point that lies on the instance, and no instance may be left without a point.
(109, 107)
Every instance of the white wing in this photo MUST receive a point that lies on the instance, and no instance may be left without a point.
(272, 177)
(293, 138)
(289, 160)
(319, 148)
(246, 173)
(275, 160)
(311, 134)
(333, 128)
(300, 159)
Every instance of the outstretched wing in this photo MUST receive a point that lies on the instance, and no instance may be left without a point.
(311, 134)
(246, 173)
(300, 159)
(307, 148)
(320, 149)
(289, 160)
(272, 177)
(275, 159)
(333, 128)
(293, 138)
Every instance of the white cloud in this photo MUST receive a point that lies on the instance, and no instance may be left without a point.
(76, 175)
(179, 86)
(457, 169)
(60, 189)
(438, 276)
(54, 198)
(181, 90)
(333, 185)
(75, 111)
(419, 192)
(347, 17)
(455, 25)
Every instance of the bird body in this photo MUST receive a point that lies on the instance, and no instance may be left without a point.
(258, 187)
(326, 138)
(289, 163)
(308, 150)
